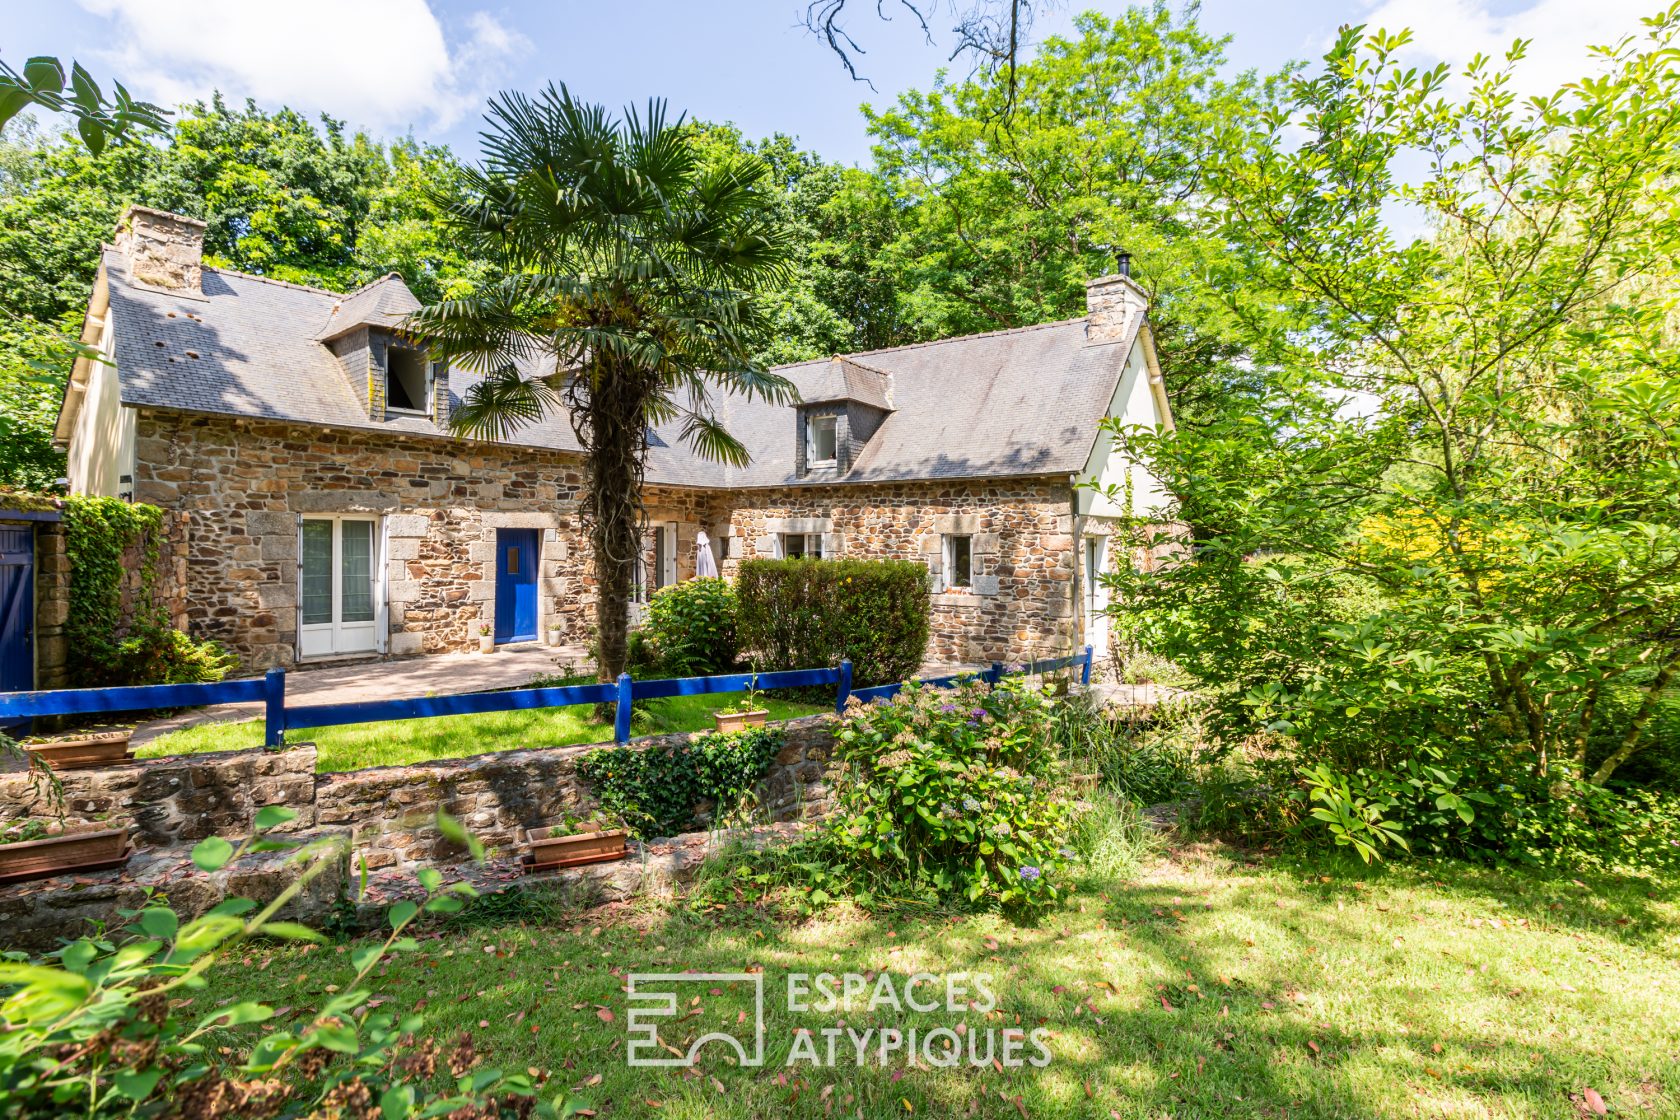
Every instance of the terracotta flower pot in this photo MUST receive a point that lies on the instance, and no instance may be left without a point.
(736, 721)
(545, 852)
(84, 752)
(57, 855)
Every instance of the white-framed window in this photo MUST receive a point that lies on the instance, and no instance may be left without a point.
(656, 564)
(408, 381)
(959, 560)
(340, 586)
(821, 442)
(808, 545)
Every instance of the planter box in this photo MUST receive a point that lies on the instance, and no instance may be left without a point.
(736, 721)
(59, 855)
(546, 853)
(85, 752)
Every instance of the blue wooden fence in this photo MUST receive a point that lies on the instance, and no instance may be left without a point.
(278, 718)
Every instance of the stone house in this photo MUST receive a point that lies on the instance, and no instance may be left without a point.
(331, 512)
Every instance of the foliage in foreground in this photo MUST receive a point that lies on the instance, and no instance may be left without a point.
(958, 788)
(99, 1028)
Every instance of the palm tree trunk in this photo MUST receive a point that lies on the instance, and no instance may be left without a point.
(617, 408)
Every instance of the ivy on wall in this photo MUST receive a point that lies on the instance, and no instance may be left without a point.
(657, 791)
(118, 633)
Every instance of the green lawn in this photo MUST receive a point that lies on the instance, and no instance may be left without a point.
(1202, 987)
(400, 742)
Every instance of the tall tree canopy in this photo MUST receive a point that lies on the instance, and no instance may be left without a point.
(1477, 567)
(1004, 216)
(283, 196)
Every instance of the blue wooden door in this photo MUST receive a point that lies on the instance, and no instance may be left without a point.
(17, 608)
(516, 585)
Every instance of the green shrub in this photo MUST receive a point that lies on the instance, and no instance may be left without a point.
(1148, 758)
(118, 634)
(658, 791)
(958, 788)
(110, 1026)
(691, 626)
(810, 614)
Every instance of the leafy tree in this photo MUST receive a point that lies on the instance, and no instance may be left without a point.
(1005, 215)
(1472, 566)
(837, 297)
(283, 197)
(631, 264)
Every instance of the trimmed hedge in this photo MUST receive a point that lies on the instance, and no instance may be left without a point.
(809, 614)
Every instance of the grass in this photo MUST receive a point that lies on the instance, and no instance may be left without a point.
(402, 742)
(1203, 985)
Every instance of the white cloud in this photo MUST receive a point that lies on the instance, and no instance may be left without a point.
(1455, 31)
(386, 64)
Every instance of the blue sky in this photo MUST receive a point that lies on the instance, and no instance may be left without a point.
(426, 66)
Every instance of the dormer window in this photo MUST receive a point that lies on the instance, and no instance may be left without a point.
(408, 381)
(821, 442)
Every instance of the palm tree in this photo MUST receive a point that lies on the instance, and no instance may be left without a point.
(630, 270)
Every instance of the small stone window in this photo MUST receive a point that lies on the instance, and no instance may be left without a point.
(821, 443)
(408, 381)
(807, 545)
(959, 560)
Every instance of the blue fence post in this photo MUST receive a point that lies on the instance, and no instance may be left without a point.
(274, 708)
(845, 689)
(621, 720)
(994, 675)
(1085, 673)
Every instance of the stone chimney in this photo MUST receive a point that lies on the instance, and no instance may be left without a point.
(162, 250)
(1114, 305)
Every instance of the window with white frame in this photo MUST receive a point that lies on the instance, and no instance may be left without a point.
(959, 560)
(821, 443)
(807, 545)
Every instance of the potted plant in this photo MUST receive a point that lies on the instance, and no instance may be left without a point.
(743, 713)
(554, 632)
(31, 849)
(571, 843)
(486, 640)
(84, 750)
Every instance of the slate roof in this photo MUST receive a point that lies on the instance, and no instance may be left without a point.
(383, 303)
(1009, 403)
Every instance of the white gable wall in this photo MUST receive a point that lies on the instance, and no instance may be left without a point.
(1133, 404)
(101, 447)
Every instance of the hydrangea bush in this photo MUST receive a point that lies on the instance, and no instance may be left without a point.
(957, 786)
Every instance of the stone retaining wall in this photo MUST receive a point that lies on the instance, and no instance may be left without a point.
(389, 812)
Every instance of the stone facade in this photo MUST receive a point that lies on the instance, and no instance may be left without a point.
(245, 485)
(1021, 602)
(241, 487)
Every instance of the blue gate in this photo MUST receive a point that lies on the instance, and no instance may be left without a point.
(17, 608)
(516, 585)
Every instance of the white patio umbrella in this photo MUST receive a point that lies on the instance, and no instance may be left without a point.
(705, 564)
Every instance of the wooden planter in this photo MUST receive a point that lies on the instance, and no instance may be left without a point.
(60, 855)
(736, 721)
(545, 853)
(84, 753)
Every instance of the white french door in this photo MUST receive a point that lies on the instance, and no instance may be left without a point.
(338, 608)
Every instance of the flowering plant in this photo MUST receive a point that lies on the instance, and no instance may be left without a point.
(957, 786)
